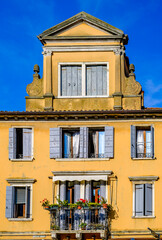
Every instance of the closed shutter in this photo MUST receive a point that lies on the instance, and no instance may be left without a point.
(83, 142)
(9, 201)
(139, 200)
(109, 142)
(133, 141)
(55, 142)
(103, 189)
(96, 80)
(27, 143)
(76, 191)
(12, 143)
(148, 199)
(152, 141)
(88, 192)
(71, 81)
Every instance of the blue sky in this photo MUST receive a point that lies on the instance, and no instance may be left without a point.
(22, 20)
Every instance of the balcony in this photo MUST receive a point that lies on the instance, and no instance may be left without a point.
(87, 220)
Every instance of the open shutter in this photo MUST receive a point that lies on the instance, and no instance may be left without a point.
(27, 143)
(83, 142)
(76, 191)
(152, 141)
(9, 201)
(55, 142)
(12, 143)
(109, 142)
(133, 141)
(148, 199)
(139, 200)
(103, 189)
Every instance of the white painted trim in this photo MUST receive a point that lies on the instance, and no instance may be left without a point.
(22, 160)
(153, 199)
(83, 69)
(80, 159)
(20, 219)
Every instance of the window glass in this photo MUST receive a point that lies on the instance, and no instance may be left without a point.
(71, 144)
(144, 143)
(96, 143)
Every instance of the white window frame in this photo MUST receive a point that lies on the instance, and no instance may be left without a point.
(32, 149)
(31, 197)
(153, 198)
(83, 66)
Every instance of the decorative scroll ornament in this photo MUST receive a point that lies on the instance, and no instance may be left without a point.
(132, 87)
(36, 87)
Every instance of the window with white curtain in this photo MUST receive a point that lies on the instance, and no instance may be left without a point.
(71, 144)
(96, 143)
(144, 143)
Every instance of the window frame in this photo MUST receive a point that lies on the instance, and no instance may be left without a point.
(83, 69)
(32, 145)
(16, 185)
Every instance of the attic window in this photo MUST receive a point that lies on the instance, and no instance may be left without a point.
(84, 79)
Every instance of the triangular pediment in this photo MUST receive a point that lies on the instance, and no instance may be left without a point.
(82, 24)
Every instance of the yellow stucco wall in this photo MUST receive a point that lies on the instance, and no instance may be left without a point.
(42, 166)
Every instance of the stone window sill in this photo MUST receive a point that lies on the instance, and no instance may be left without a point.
(22, 160)
(144, 158)
(81, 159)
(20, 219)
(143, 217)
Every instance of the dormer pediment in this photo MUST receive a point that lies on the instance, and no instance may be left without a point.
(82, 25)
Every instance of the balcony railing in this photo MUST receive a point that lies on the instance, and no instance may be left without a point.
(65, 218)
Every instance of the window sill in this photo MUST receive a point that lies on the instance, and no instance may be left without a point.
(98, 96)
(20, 219)
(22, 160)
(144, 158)
(143, 217)
(80, 159)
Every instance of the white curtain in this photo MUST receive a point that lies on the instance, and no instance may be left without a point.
(76, 137)
(140, 143)
(94, 138)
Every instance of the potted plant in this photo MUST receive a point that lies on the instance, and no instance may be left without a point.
(83, 226)
(103, 202)
(45, 203)
(61, 203)
(81, 203)
(55, 227)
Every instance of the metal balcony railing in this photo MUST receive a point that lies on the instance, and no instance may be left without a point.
(65, 218)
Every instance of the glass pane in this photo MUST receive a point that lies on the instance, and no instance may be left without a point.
(148, 144)
(101, 149)
(140, 143)
(67, 145)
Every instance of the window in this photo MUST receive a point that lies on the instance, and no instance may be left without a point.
(83, 143)
(18, 201)
(143, 199)
(83, 79)
(20, 143)
(71, 144)
(142, 142)
(96, 143)
(96, 191)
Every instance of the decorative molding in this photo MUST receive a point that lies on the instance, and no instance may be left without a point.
(20, 180)
(47, 53)
(144, 178)
(75, 173)
(119, 51)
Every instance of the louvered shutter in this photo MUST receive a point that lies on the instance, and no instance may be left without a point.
(139, 200)
(152, 141)
(96, 80)
(55, 142)
(109, 142)
(27, 143)
(12, 143)
(103, 189)
(76, 191)
(148, 199)
(71, 80)
(9, 201)
(83, 142)
(20, 195)
(133, 142)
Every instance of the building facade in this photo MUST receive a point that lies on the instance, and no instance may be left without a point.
(85, 135)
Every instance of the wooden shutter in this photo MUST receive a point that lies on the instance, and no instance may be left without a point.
(103, 189)
(109, 142)
(96, 80)
(9, 201)
(152, 141)
(76, 191)
(88, 190)
(133, 142)
(148, 199)
(71, 80)
(83, 142)
(139, 200)
(12, 143)
(27, 143)
(55, 142)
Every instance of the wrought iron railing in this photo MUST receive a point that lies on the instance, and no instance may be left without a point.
(144, 149)
(66, 218)
(100, 155)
